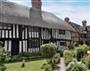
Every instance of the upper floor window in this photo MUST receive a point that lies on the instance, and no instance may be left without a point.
(5, 26)
(62, 32)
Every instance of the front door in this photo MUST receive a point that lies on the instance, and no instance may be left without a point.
(15, 47)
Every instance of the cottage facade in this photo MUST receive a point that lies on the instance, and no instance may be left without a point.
(24, 29)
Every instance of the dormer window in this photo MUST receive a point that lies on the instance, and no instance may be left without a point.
(62, 32)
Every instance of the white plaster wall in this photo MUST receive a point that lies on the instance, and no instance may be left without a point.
(61, 36)
(55, 34)
(45, 34)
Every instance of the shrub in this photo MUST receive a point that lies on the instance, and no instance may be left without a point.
(71, 46)
(24, 54)
(5, 56)
(56, 58)
(60, 52)
(76, 66)
(86, 60)
(7, 59)
(47, 67)
(81, 51)
(28, 54)
(77, 44)
(2, 55)
(48, 50)
(2, 67)
(16, 58)
(68, 56)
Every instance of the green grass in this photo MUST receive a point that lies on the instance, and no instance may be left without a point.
(30, 66)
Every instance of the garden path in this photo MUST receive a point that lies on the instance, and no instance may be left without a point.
(62, 65)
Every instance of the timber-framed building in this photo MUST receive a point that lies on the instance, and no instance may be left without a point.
(24, 29)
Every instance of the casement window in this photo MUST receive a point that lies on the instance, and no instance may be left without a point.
(62, 43)
(62, 32)
(35, 43)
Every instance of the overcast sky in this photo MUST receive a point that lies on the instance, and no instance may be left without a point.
(76, 10)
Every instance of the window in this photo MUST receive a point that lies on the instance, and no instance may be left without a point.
(61, 31)
(33, 43)
(62, 43)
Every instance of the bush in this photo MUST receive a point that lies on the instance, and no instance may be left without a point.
(20, 56)
(54, 61)
(47, 67)
(76, 66)
(28, 54)
(86, 60)
(16, 58)
(2, 55)
(48, 50)
(7, 59)
(68, 56)
(56, 58)
(24, 54)
(60, 51)
(2, 67)
(81, 51)
(71, 46)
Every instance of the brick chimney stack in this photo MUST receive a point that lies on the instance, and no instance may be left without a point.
(36, 12)
(67, 19)
(84, 31)
(84, 23)
(36, 4)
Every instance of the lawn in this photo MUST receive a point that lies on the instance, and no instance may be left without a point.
(30, 66)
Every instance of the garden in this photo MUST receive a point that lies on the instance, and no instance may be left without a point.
(76, 58)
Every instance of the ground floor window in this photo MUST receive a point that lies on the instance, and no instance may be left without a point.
(62, 43)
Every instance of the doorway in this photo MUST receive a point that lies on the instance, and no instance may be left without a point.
(15, 47)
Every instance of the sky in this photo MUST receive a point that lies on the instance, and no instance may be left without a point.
(76, 10)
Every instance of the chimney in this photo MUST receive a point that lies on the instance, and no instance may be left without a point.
(84, 31)
(36, 4)
(36, 12)
(84, 23)
(67, 19)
